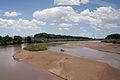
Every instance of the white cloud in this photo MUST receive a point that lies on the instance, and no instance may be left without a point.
(67, 2)
(101, 18)
(52, 24)
(65, 25)
(12, 14)
(21, 24)
(66, 28)
(60, 28)
(55, 13)
(38, 22)
(70, 2)
(84, 1)
(86, 34)
(63, 28)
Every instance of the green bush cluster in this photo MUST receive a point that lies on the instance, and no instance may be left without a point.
(112, 38)
(34, 47)
(7, 40)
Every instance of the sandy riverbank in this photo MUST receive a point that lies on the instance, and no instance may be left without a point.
(101, 46)
(68, 67)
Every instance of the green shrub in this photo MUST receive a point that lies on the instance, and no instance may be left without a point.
(34, 47)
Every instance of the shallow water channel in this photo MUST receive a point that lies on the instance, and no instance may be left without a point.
(112, 59)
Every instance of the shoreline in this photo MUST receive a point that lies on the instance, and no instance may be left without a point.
(68, 67)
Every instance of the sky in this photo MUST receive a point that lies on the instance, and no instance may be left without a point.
(89, 18)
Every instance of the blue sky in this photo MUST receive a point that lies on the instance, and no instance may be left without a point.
(91, 18)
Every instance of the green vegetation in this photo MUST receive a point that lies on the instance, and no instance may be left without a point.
(17, 40)
(111, 41)
(30, 39)
(10, 40)
(6, 40)
(35, 47)
(113, 38)
(39, 38)
(44, 37)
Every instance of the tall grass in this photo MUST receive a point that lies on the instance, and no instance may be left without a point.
(35, 47)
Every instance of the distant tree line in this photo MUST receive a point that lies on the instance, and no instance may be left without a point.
(112, 38)
(6, 40)
(44, 37)
(39, 38)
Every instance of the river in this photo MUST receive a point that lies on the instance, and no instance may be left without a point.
(14, 70)
(112, 59)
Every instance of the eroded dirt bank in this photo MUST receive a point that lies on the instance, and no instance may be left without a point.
(68, 67)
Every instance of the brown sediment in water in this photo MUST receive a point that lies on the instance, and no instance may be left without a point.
(68, 67)
(101, 46)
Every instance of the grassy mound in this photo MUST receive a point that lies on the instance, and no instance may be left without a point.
(35, 47)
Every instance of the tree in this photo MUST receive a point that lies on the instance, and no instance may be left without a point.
(42, 35)
(7, 40)
(30, 39)
(18, 40)
(1, 41)
(113, 36)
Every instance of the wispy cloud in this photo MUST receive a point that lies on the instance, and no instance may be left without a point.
(78, 2)
(102, 3)
(63, 28)
(12, 14)
(67, 2)
(65, 25)
(70, 2)
(1, 10)
(9, 14)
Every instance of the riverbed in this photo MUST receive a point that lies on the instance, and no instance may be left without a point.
(112, 59)
(14, 70)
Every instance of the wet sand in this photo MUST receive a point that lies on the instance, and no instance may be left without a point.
(101, 46)
(68, 67)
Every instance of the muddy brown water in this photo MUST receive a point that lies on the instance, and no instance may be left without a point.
(112, 59)
(14, 70)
